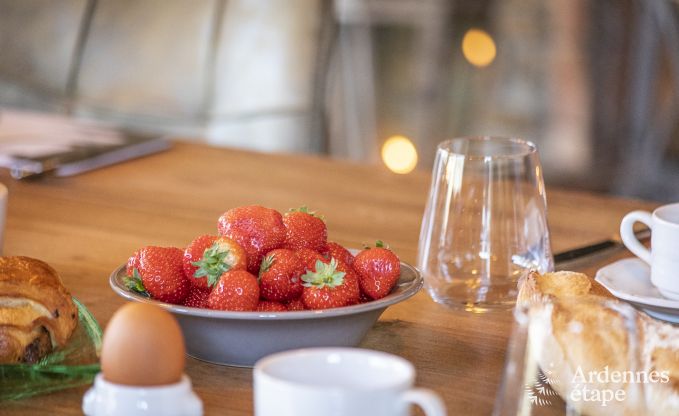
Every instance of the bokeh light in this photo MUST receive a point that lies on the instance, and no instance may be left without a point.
(478, 47)
(399, 154)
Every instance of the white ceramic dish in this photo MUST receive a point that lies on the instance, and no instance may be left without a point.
(109, 399)
(630, 280)
(241, 338)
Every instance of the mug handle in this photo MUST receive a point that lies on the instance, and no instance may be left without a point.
(627, 233)
(427, 400)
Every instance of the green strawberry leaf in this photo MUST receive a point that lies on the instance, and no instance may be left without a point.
(212, 265)
(303, 209)
(267, 262)
(378, 244)
(306, 210)
(135, 284)
(326, 275)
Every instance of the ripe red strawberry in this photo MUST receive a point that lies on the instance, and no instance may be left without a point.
(132, 263)
(279, 275)
(197, 297)
(194, 252)
(295, 305)
(162, 274)
(304, 229)
(309, 257)
(352, 286)
(207, 257)
(325, 287)
(237, 290)
(340, 253)
(271, 306)
(257, 229)
(378, 270)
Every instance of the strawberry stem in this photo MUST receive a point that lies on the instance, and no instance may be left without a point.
(306, 210)
(378, 244)
(135, 284)
(267, 262)
(212, 264)
(325, 275)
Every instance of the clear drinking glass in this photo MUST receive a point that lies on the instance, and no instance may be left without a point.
(485, 223)
(579, 356)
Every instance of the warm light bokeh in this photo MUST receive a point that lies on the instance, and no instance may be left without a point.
(478, 47)
(399, 154)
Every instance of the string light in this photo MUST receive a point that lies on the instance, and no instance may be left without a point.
(399, 154)
(478, 47)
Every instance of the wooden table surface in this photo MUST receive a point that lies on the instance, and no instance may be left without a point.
(87, 225)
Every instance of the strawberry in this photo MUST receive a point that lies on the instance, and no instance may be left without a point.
(271, 306)
(132, 263)
(236, 290)
(162, 274)
(378, 270)
(325, 287)
(197, 297)
(194, 252)
(295, 305)
(304, 229)
(340, 253)
(279, 275)
(351, 284)
(207, 257)
(309, 257)
(257, 229)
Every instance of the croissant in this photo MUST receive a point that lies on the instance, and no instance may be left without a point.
(601, 343)
(37, 313)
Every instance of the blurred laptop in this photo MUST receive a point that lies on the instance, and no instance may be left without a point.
(35, 144)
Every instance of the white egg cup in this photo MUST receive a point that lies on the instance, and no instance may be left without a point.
(110, 399)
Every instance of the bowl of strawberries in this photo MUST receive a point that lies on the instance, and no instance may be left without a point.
(267, 282)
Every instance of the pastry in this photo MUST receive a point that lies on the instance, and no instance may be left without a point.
(37, 313)
(600, 343)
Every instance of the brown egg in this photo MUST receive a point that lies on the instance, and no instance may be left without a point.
(143, 346)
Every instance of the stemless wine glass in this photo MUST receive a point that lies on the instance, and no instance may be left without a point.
(485, 222)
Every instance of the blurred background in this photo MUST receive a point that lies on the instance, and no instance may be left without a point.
(592, 82)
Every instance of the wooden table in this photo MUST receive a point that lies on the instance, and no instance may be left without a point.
(87, 225)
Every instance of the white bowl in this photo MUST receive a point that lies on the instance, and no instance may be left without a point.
(241, 338)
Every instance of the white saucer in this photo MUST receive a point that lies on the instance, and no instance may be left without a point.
(630, 280)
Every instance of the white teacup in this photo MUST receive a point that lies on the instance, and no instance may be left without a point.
(664, 254)
(339, 381)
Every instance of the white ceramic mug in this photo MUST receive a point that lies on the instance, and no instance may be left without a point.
(339, 381)
(110, 399)
(664, 254)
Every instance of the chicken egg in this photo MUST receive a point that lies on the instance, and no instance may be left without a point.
(142, 346)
